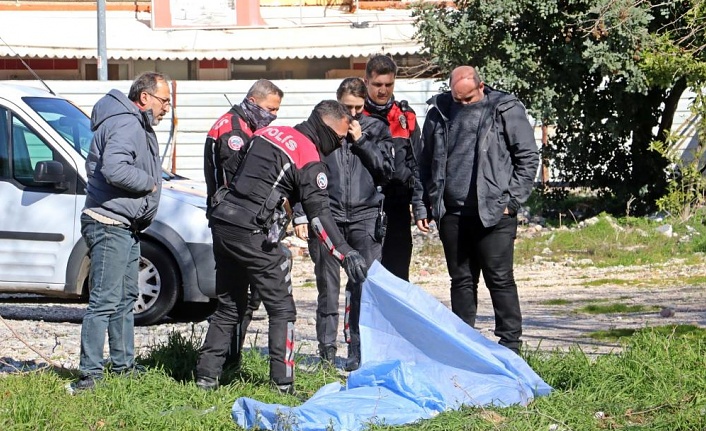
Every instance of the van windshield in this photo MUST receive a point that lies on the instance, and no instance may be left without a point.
(67, 119)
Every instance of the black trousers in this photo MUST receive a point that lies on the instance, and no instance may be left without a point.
(229, 272)
(361, 236)
(472, 249)
(397, 246)
(266, 269)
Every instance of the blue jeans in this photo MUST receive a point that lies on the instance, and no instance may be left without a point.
(114, 253)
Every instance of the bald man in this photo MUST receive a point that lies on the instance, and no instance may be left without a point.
(477, 166)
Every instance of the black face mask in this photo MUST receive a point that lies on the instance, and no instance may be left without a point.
(328, 138)
(257, 116)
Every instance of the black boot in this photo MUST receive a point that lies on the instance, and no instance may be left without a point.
(353, 362)
(327, 352)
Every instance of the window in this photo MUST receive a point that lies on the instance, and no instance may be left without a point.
(116, 71)
(4, 145)
(27, 150)
(69, 121)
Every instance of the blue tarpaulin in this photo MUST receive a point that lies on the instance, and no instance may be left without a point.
(418, 359)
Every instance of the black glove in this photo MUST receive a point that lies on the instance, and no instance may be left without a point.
(355, 267)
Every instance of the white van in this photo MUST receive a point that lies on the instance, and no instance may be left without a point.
(44, 140)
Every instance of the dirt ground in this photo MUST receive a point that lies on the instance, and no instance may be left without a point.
(34, 332)
(546, 326)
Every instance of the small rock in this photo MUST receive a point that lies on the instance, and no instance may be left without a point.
(591, 221)
(665, 229)
(666, 312)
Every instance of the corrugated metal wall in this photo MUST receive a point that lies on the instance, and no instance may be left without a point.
(200, 103)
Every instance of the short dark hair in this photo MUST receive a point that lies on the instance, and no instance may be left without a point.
(147, 82)
(263, 88)
(354, 86)
(331, 109)
(380, 65)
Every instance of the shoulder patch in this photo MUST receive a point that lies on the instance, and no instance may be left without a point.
(235, 143)
(322, 180)
(221, 126)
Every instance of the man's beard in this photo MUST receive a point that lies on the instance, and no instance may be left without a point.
(153, 120)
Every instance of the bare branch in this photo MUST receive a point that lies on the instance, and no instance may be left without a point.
(29, 346)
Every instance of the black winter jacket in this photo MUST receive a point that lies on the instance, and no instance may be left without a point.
(227, 136)
(280, 162)
(506, 165)
(355, 171)
(407, 145)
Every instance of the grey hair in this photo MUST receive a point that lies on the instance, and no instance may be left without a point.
(263, 88)
(147, 82)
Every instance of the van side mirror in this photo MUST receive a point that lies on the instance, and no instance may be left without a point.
(49, 172)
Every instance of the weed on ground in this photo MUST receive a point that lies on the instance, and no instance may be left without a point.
(657, 382)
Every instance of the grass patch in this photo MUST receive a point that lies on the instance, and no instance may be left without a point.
(687, 331)
(615, 281)
(615, 308)
(693, 280)
(556, 301)
(613, 242)
(656, 383)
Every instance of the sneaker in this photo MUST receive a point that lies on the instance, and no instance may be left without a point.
(207, 383)
(133, 371)
(84, 383)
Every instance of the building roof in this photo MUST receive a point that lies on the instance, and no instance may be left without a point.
(290, 32)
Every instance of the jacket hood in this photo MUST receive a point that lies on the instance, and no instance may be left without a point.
(112, 104)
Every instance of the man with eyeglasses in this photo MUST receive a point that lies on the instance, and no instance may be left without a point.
(124, 183)
(283, 166)
(228, 138)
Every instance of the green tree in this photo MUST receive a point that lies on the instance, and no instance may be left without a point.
(606, 74)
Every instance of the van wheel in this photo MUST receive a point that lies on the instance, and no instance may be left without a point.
(159, 284)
